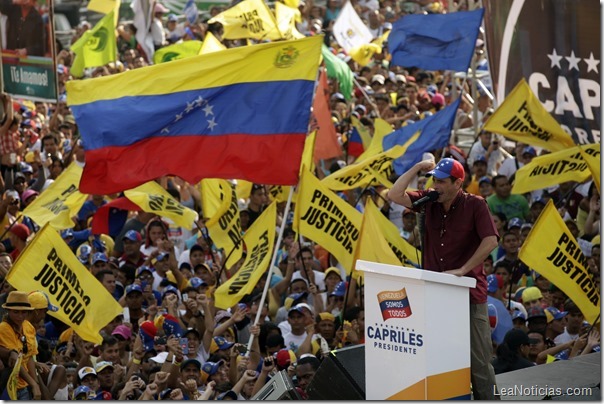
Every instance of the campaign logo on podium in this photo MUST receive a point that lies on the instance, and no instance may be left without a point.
(394, 304)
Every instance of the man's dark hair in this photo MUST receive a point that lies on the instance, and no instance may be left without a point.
(108, 341)
(497, 177)
(313, 361)
(49, 136)
(571, 307)
(101, 274)
(503, 264)
(305, 249)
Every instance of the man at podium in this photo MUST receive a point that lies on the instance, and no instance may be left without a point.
(459, 234)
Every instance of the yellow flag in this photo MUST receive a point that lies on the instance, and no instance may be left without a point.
(307, 162)
(259, 240)
(180, 50)
(381, 129)
(244, 189)
(327, 219)
(153, 198)
(216, 195)
(96, 47)
(47, 264)
(105, 7)
(211, 44)
(13, 378)
(591, 155)
(552, 250)
(292, 3)
(521, 117)
(248, 19)
(363, 54)
(286, 21)
(376, 168)
(279, 193)
(372, 245)
(555, 168)
(60, 202)
(224, 225)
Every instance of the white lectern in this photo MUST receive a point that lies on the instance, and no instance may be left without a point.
(417, 333)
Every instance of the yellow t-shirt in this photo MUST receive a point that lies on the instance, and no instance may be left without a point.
(9, 339)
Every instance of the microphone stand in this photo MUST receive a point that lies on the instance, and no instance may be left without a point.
(422, 233)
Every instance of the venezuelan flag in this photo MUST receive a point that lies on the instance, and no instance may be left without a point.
(242, 113)
(355, 143)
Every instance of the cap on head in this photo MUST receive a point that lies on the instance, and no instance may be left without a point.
(446, 168)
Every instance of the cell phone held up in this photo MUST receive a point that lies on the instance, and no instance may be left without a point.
(184, 344)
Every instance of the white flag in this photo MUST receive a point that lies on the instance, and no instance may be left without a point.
(143, 16)
(349, 30)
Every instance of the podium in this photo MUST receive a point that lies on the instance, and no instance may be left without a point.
(417, 333)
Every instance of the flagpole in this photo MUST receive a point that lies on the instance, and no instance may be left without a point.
(270, 269)
(375, 108)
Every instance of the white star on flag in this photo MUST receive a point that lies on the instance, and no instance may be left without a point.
(573, 61)
(178, 117)
(212, 123)
(199, 101)
(208, 110)
(555, 59)
(190, 107)
(592, 63)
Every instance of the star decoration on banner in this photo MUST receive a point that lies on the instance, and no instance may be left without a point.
(198, 103)
(592, 64)
(555, 59)
(573, 61)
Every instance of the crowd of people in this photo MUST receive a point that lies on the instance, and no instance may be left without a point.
(171, 342)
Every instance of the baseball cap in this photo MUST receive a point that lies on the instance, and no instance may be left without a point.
(27, 168)
(340, 289)
(20, 230)
(220, 344)
(189, 361)
(535, 312)
(285, 357)
(531, 293)
(438, 99)
(230, 394)
(300, 308)
(85, 371)
(122, 331)
(39, 300)
(494, 282)
(83, 390)
(294, 299)
(160, 8)
(338, 97)
(193, 331)
(66, 233)
(518, 314)
(99, 256)
(142, 269)
(162, 255)
(378, 78)
(484, 179)
(515, 222)
(446, 168)
(529, 150)
(132, 235)
(516, 337)
(169, 289)
(196, 282)
(133, 288)
(100, 366)
(172, 17)
(480, 159)
(332, 270)
(209, 368)
(552, 313)
(28, 193)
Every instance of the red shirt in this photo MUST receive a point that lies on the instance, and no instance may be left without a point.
(452, 237)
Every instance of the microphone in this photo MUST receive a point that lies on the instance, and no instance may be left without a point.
(430, 197)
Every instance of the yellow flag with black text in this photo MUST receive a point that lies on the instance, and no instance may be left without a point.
(48, 264)
(381, 129)
(327, 219)
(243, 189)
(591, 156)
(248, 19)
(555, 168)
(279, 193)
(521, 117)
(286, 21)
(553, 251)
(224, 226)
(377, 168)
(153, 198)
(60, 201)
(259, 240)
(216, 197)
